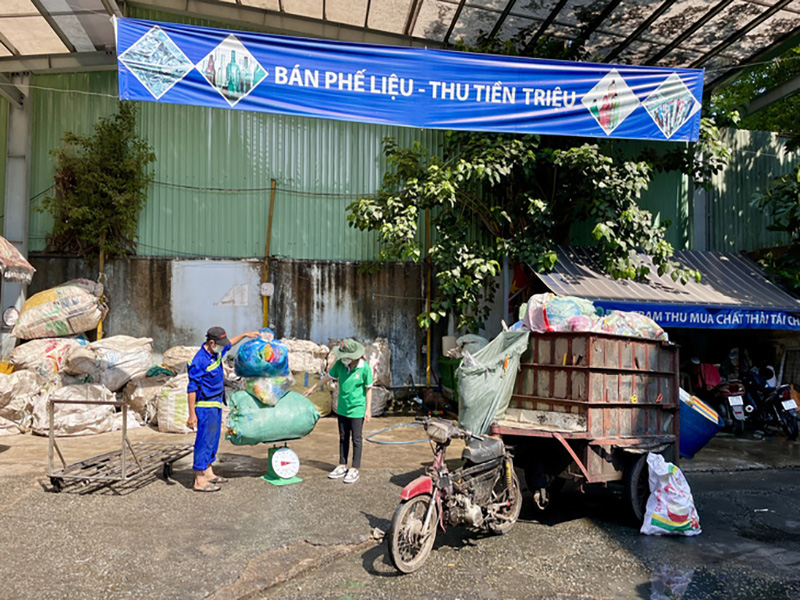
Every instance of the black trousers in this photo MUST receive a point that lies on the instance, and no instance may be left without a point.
(350, 427)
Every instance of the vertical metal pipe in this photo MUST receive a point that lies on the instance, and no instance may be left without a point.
(124, 437)
(102, 281)
(428, 294)
(51, 437)
(265, 299)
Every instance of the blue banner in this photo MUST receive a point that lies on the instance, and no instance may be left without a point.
(702, 317)
(415, 87)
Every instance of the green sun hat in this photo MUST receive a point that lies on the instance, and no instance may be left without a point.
(349, 349)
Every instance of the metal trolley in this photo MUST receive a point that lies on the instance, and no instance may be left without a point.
(131, 461)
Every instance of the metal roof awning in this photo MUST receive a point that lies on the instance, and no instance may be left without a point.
(734, 293)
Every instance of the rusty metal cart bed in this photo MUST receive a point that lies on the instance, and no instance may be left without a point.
(588, 407)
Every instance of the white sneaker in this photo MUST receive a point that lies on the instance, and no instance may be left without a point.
(338, 472)
(352, 476)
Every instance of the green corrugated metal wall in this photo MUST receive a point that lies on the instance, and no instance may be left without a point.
(758, 156)
(319, 165)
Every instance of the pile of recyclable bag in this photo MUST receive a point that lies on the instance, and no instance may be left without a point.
(264, 410)
(71, 308)
(549, 312)
(112, 361)
(45, 356)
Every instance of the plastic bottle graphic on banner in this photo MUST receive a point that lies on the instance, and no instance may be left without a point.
(414, 87)
(239, 72)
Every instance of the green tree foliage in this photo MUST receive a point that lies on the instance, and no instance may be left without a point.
(781, 202)
(100, 188)
(493, 196)
(782, 117)
(497, 195)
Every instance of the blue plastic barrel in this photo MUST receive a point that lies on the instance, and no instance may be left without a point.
(699, 423)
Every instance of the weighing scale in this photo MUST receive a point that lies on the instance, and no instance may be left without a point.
(283, 466)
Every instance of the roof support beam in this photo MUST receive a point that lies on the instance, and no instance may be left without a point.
(453, 22)
(10, 91)
(111, 8)
(592, 26)
(774, 95)
(664, 7)
(270, 20)
(413, 13)
(774, 50)
(543, 27)
(718, 8)
(9, 46)
(502, 18)
(54, 26)
(59, 63)
(740, 33)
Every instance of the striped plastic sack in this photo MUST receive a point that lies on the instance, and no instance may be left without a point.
(70, 308)
(670, 507)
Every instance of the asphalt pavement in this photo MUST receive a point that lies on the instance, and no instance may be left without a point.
(316, 539)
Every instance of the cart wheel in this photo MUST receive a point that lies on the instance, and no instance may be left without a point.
(636, 486)
(167, 471)
(57, 483)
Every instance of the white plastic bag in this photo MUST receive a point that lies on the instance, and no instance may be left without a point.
(113, 361)
(173, 405)
(75, 419)
(43, 356)
(72, 307)
(670, 507)
(177, 358)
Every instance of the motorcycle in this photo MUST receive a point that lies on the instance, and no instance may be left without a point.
(484, 493)
(774, 406)
(731, 402)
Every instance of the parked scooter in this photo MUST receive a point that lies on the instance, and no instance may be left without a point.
(726, 397)
(774, 406)
(731, 402)
(484, 493)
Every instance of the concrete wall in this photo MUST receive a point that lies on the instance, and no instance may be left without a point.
(175, 301)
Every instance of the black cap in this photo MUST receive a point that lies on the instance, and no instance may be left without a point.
(218, 335)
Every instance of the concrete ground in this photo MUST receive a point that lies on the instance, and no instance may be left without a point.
(157, 539)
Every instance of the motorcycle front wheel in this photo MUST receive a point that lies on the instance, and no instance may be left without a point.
(510, 513)
(409, 545)
(788, 425)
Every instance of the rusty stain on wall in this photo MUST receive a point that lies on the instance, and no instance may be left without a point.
(315, 300)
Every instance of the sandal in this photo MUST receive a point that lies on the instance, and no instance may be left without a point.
(219, 479)
(209, 487)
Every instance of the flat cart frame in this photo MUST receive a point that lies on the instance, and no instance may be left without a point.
(589, 407)
(123, 465)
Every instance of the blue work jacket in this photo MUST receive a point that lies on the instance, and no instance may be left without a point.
(207, 378)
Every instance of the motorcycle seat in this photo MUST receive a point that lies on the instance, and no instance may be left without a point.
(481, 451)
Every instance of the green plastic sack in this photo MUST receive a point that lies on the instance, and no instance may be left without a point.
(251, 422)
(486, 381)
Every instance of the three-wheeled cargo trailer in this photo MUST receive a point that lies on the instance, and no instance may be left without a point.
(589, 407)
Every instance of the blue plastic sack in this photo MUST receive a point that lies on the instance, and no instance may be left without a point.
(262, 357)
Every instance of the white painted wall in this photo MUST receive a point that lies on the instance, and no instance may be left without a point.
(211, 293)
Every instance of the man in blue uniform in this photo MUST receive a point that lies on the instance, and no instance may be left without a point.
(206, 396)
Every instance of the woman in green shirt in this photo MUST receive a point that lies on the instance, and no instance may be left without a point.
(354, 406)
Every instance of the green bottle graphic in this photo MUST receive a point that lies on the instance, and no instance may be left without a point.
(233, 76)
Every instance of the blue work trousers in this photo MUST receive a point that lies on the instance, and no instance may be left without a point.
(209, 424)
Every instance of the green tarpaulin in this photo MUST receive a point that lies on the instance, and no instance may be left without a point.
(486, 380)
